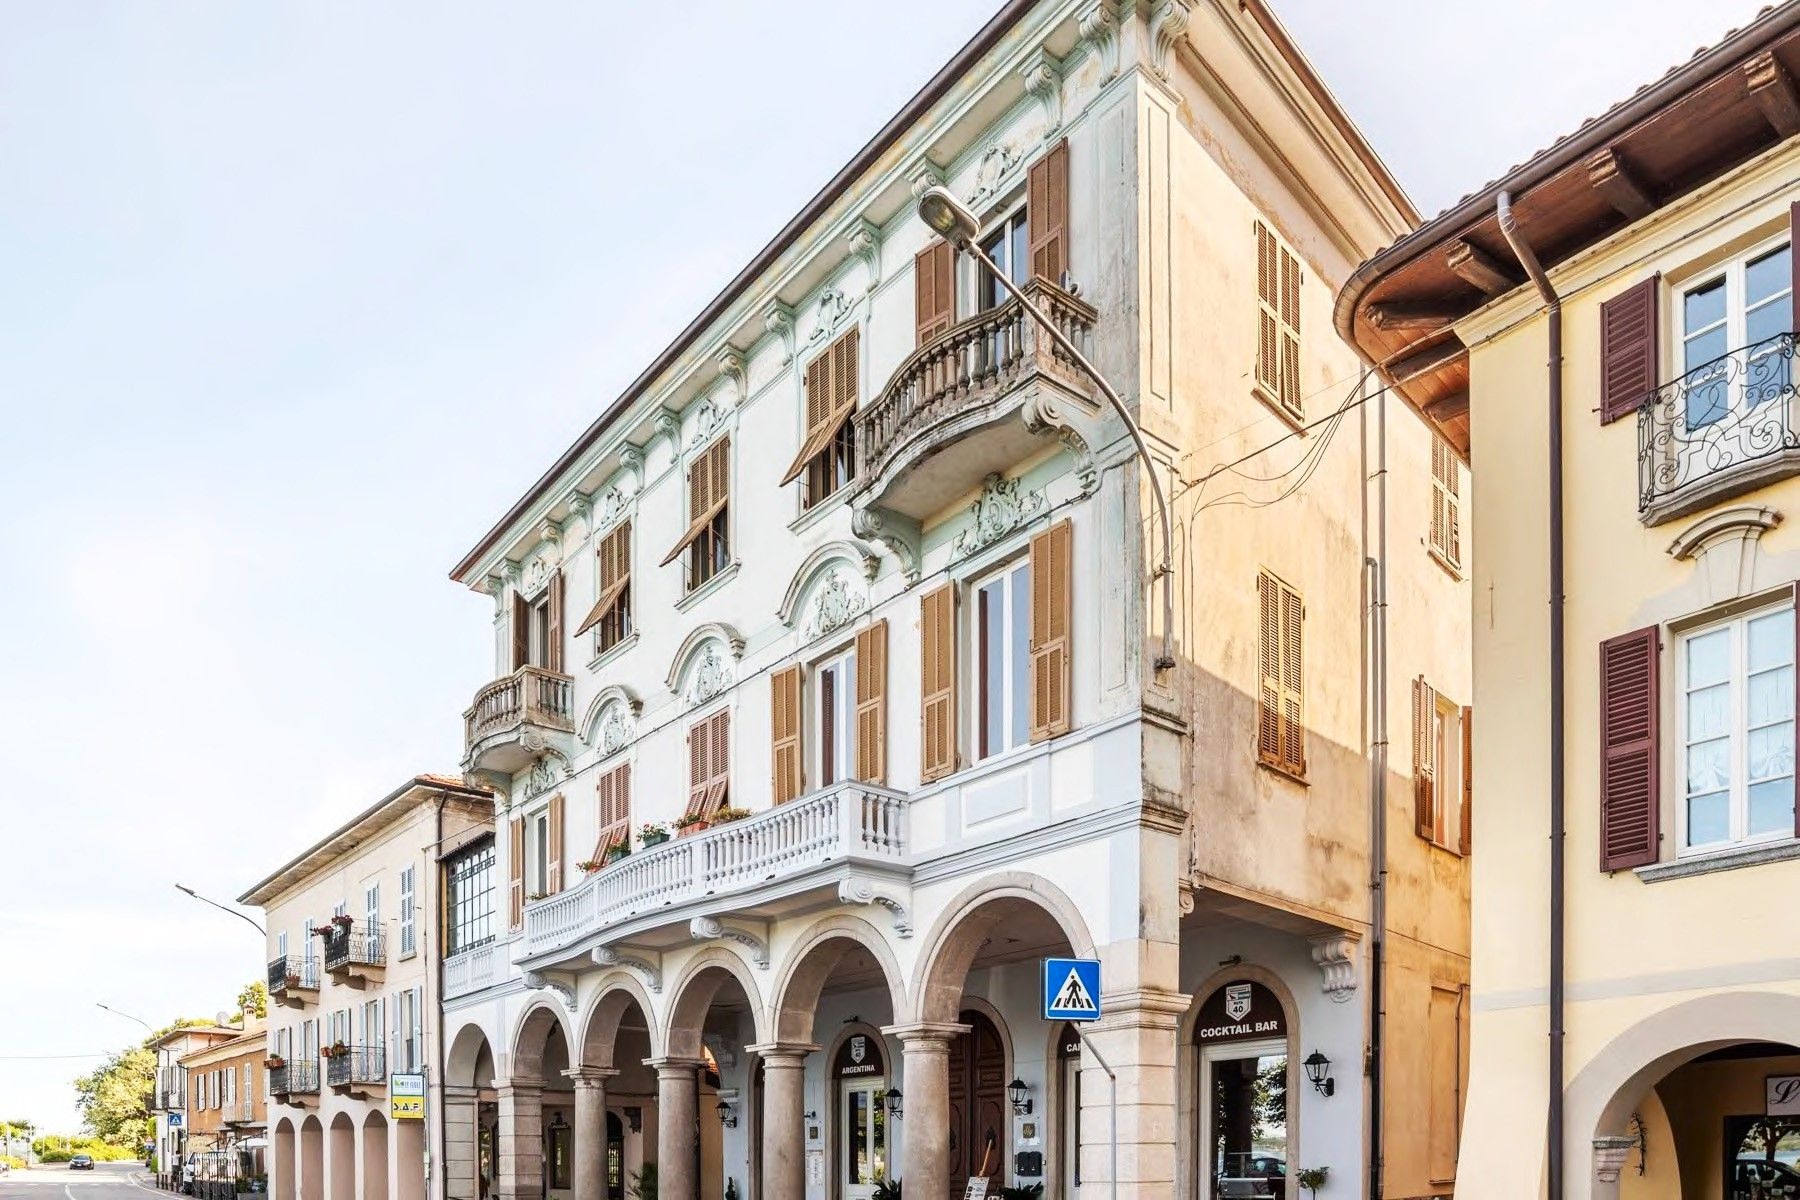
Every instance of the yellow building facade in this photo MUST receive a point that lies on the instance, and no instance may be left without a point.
(1655, 956)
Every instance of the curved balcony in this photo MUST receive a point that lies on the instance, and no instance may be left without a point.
(977, 399)
(847, 842)
(514, 717)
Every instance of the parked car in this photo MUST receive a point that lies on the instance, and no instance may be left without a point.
(82, 1162)
(1760, 1175)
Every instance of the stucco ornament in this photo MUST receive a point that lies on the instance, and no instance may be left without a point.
(998, 511)
(546, 772)
(707, 929)
(706, 419)
(1099, 25)
(1335, 956)
(616, 729)
(778, 320)
(709, 676)
(565, 993)
(859, 889)
(1168, 22)
(539, 570)
(611, 956)
(834, 306)
(837, 602)
(997, 162)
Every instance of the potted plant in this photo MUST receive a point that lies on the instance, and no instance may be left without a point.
(274, 1062)
(618, 850)
(1312, 1178)
(728, 814)
(887, 1189)
(652, 834)
(343, 920)
(293, 979)
(335, 1050)
(689, 823)
(590, 865)
(1022, 1191)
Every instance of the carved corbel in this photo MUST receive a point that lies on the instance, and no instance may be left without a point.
(924, 177)
(610, 956)
(1335, 956)
(860, 889)
(778, 319)
(707, 929)
(668, 425)
(631, 457)
(1168, 22)
(893, 533)
(545, 981)
(494, 584)
(731, 365)
(1099, 25)
(1043, 73)
(581, 507)
(864, 240)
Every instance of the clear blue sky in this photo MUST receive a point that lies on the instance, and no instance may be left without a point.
(296, 298)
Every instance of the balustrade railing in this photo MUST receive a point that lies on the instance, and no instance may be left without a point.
(1729, 417)
(473, 969)
(529, 696)
(852, 820)
(969, 363)
(297, 1078)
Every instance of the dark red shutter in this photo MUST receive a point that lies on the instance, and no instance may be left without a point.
(1629, 765)
(521, 632)
(1628, 350)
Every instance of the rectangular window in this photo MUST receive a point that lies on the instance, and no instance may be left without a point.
(1281, 658)
(1278, 280)
(1737, 720)
(611, 613)
(408, 913)
(308, 950)
(834, 717)
(469, 898)
(537, 879)
(705, 542)
(1007, 245)
(1446, 504)
(827, 456)
(1002, 660)
(1746, 307)
(281, 947)
(372, 907)
(1438, 748)
(709, 764)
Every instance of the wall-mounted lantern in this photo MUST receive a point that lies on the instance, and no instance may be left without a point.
(893, 1098)
(1020, 1095)
(1318, 1070)
(727, 1114)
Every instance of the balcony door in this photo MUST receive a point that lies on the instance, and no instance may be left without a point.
(1736, 343)
(859, 1072)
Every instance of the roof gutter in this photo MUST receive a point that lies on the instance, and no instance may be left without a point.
(1509, 226)
(1571, 149)
(939, 85)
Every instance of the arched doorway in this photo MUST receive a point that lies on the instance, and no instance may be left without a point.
(617, 1037)
(978, 1107)
(312, 1159)
(343, 1158)
(1068, 1109)
(1244, 1084)
(282, 1166)
(471, 1117)
(374, 1157)
(409, 1160)
(716, 1014)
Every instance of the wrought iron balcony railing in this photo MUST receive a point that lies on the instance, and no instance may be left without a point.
(291, 972)
(299, 1078)
(356, 1064)
(353, 946)
(1722, 428)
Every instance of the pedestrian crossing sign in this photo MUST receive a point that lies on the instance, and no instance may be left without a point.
(1071, 989)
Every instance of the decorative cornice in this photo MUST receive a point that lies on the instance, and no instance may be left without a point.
(707, 929)
(864, 240)
(611, 956)
(1335, 956)
(1043, 73)
(862, 889)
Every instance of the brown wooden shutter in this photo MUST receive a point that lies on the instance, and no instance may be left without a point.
(515, 873)
(784, 733)
(554, 872)
(934, 290)
(720, 793)
(709, 491)
(1050, 619)
(1047, 212)
(615, 574)
(871, 703)
(1424, 764)
(700, 768)
(1630, 793)
(1468, 772)
(1268, 656)
(613, 820)
(1628, 350)
(521, 631)
(1293, 681)
(831, 397)
(937, 683)
(553, 639)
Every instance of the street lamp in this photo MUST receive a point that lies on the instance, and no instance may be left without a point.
(180, 887)
(951, 219)
(115, 1012)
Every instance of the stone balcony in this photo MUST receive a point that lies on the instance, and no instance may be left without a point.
(469, 971)
(846, 844)
(978, 399)
(515, 717)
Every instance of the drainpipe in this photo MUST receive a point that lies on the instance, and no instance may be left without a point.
(440, 1167)
(1509, 226)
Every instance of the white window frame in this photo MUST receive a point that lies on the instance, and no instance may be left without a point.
(408, 916)
(537, 852)
(372, 906)
(1737, 336)
(281, 947)
(1738, 801)
(1016, 209)
(843, 720)
(1447, 774)
(1014, 572)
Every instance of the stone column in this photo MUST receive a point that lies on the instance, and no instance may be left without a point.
(677, 1115)
(590, 1130)
(462, 1139)
(925, 1087)
(784, 1119)
(1137, 1036)
(521, 1141)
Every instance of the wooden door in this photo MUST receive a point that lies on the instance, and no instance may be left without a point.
(978, 1104)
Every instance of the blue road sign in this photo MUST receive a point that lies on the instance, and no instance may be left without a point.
(1071, 989)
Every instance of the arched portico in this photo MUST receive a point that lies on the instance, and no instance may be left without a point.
(374, 1157)
(312, 1159)
(282, 1165)
(617, 1038)
(341, 1153)
(469, 1109)
(717, 1005)
(534, 1105)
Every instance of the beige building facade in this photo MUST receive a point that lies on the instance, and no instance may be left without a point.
(829, 695)
(354, 954)
(1652, 959)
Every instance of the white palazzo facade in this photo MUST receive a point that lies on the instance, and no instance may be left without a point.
(855, 586)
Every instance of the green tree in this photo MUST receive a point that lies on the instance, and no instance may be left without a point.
(253, 1001)
(115, 1098)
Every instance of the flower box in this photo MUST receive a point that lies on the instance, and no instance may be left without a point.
(616, 851)
(653, 835)
(690, 828)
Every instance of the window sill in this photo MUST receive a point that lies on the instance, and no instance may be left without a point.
(724, 576)
(1453, 851)
(1451, 569)
(1284, 773)
(812, 516)
(1297, 424)
(613, 651)
(1720, 860)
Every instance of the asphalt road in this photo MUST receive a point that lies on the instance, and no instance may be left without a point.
(107, 1181)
